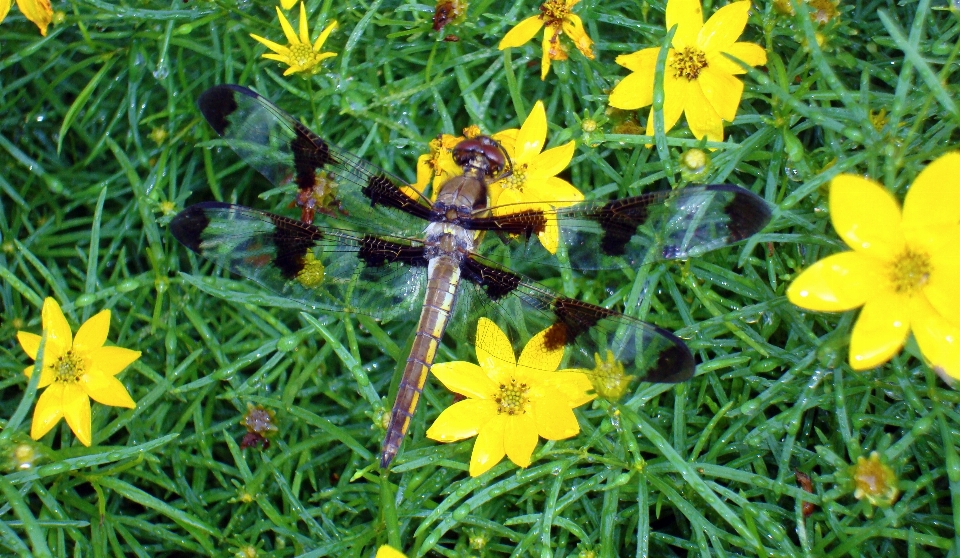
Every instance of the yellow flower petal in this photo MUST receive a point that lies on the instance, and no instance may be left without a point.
(555, 420)
(532, 135)
(5, 8)
(633, 92)
(724, 27)
(674, 101)
(688, 16)
(938, 339)
(576, 387)
(573, 27)
(93, 333)
(112, 360)
(934, 197)
(387, 551)
(30, 342)
(839, 282)
(76, 411)
(38, 11)
(278, 48)
(106, 389)
(304, 29)
(702, 120)
(866, 216)
(520, 438)
(462, 420)
(59, 335)
(722, 91)
(749, 53)
(48, 412)
(488, 450)
(323, 38)
(880, 331)
(287, 28)
(494, 351)
(552, 161)
(537, 356)
(942, 287)
(521, 33)
(465, 378)
(549, 237)
(643, 61)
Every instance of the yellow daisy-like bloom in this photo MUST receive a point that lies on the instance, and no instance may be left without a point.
(556, 19)
(532, 181)
(75, 370)
(38, 11)
(903, 269)
(300, 55)
(510, 403)
(699, 80)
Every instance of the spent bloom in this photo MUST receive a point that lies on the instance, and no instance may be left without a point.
(903, 268)
(38, 11)
(510, 403)
(874, 480)
(75, 370)
(531, 181)
(698, 80)
(300, 56)
(556, 19)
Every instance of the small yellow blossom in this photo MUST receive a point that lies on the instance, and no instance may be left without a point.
(531, 182)
(903, 269)
(387, 551)
(699, 80)
(38, 11)
(75, 370)
(509, 403)
(874, 480)
(556, 19)
(299, 55)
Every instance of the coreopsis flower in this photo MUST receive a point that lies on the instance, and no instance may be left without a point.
(38, 11)
(510, 403)
(556, 19)
(699, 80)
(75, 370)
(531, 181)
(903, 269)
(299, 55)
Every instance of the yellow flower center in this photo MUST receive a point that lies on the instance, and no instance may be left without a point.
(688, 63)
(910, 272)
(609, 378)
(512, 398)
(68, 368)
(553, 12)
(516, 179)
(302, 54)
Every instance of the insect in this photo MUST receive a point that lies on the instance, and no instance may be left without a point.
(384, 249)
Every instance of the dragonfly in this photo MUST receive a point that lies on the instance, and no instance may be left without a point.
(366, 242)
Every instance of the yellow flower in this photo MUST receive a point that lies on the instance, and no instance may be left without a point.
(699, 80)
(557, 19)
(287, 4)
(874, 480)
(387, 551)
(76, 370)
(300, 56)
(510, 403)
(532, 180)
(38, 11)
(903, 269)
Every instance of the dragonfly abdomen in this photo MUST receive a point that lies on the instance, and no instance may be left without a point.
(441, 295)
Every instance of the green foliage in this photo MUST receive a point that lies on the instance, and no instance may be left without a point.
(101, 143)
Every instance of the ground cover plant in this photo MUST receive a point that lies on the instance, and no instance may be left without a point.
(808, 429)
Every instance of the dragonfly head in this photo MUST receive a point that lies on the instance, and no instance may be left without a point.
(482, 154)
